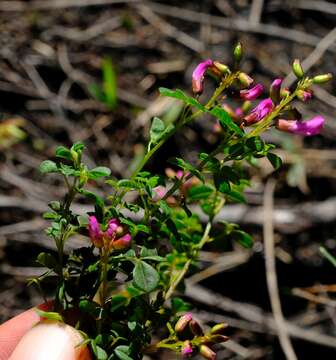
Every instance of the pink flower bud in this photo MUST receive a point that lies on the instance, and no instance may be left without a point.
(159, 192)
(187, 349)
(182, 322)
(112, 227)
(275, 90)
(121, 243)
(198, 75)
(245, 80)
(304, 95)
(96, 235)
(305, 128)
(207, 353)
(259, 112)
(253, 93)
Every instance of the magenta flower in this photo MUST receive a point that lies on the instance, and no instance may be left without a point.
(122, 242)
(198, 75)
(96, 235)
(114, 237)
(305, 128)
(259, 112)
(253, 93)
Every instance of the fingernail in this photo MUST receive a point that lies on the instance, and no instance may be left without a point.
(53, 341)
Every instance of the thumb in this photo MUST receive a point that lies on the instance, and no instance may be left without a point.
(51, 340)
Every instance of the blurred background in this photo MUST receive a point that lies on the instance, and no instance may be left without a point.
(89, 70)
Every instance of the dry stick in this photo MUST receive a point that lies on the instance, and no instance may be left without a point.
(237, 24)
(314, 56)
(256, 12)
(56, 4)
(169, 29)
(323, 6)
(271, 275)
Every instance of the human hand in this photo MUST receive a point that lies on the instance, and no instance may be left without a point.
(26, 337)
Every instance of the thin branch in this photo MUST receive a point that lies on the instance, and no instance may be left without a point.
(271, 274)
(256, 12)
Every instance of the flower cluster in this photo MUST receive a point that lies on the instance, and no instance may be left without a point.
(196, 340)
(115, 237)
(271, 107)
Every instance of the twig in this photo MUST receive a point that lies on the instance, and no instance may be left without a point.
(256, 12)
(169, 29)
(271, 275)
(237, 24)
(56, 4)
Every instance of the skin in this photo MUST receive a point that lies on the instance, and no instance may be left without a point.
(26, 337)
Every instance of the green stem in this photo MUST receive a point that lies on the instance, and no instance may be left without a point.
(186, 266)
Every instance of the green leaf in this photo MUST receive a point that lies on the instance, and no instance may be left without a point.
(243, 238)
(63, 152)
(109, 83)
(157, 130)
(98, 172)
(90, 307)
(99, 353)
(179, 94)
(255, 143)
(145, 277)
(47, 260)
(211, 163)
(93, 197)
(225, 120)
(186, 166)
(236, 196)
(78, 147)
(49, 315)
(275, 160)
(48, 166)
(122, 351)
(179, 305)
(129, 184)
(199, 192)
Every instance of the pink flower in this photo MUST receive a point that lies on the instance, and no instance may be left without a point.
(114, 238)
(96, 235)
(159, 192)
(183, 321)
(198, 75)
(260, 111)
(121, 243)
(305, 128)
(253, 93)
(187, 349)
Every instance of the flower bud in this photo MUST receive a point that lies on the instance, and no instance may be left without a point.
(121, 243)
(297, 69)
(305, 128)
(207, 353)
(218, 328)
(244, 79)
(195, 328)
(284, 93)
(238, 53)
(217, 339)
(182, 322)
(96, 235)
(304, 95)
(187, 349)
(224, 69)
(253, 93)
(275, 90)
(321, 79)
